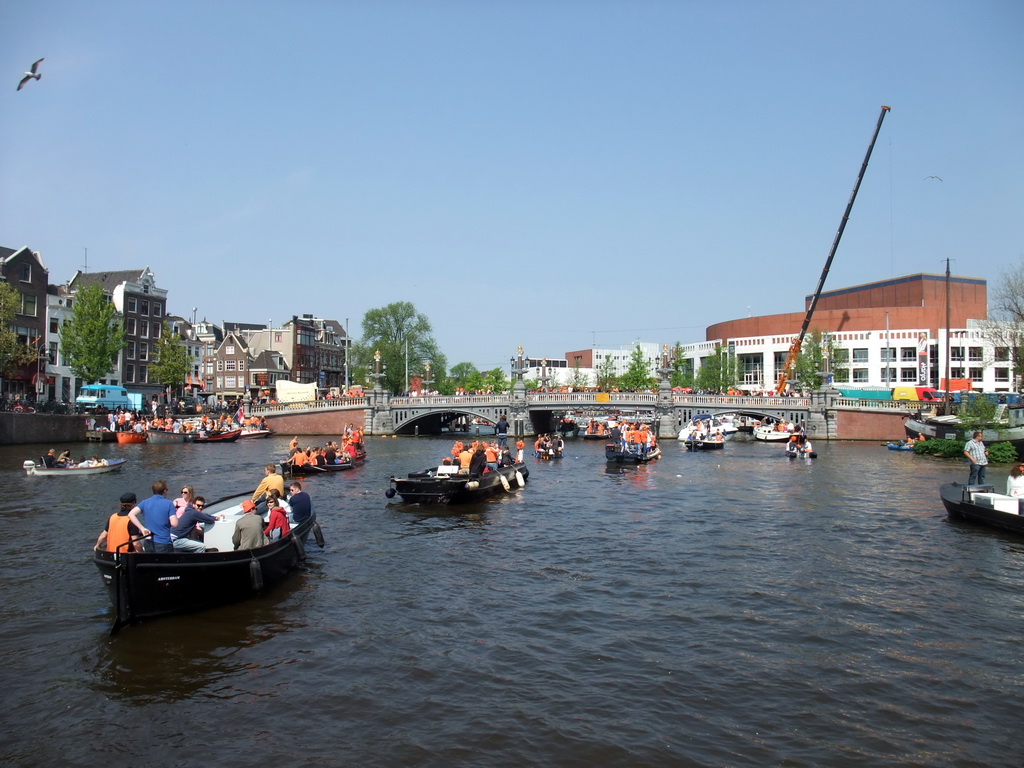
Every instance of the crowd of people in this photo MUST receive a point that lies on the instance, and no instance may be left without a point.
(158, 524)
(350, 449)
(635, 438)
(479, 457)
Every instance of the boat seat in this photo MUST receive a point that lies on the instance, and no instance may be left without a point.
(448, 469)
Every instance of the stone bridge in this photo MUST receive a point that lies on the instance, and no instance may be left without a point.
(825, 414)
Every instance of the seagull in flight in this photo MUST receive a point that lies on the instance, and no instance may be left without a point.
(930, 177)
(31, 74)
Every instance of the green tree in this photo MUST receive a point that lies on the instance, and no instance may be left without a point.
(12, 354)
(171, 362)
(606, 374)
(811, 360)
(718, 371)
(578, 380)
(638, 375)
(496, 380)
(682, 369)
(401, 335)
(463, 376)
(93, 336)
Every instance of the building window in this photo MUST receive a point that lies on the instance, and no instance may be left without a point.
(976, 374)
(129, 326)
(956, 373)
(889, 354)
(143, 374)
(220, 366)
(52, 354)
(133, 304)
(974, 354)
(841, 376)
(54, 325)
(840, 356)
(144, 328)
(860, 375)
(1002, 354)
(229, 349)
(144, 308)
(908, 375)
(229, 365)
(129, 372)
(957, 354)
(1002, 374)
(860, 356)
(26, 273)
(129, 351)
(157, 309)
(908, 354)
(143, 353)
(241, 365)
(28, 305)
(229, 382)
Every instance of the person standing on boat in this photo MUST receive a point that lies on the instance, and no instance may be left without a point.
(977, 455)
(159, 515)
(501, 429)
(270, 480)
(120, 530)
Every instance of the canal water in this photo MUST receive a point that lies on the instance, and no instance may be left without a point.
(733, 608)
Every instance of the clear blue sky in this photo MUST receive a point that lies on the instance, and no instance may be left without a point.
(552, 174)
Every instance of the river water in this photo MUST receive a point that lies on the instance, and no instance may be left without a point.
(724, 609)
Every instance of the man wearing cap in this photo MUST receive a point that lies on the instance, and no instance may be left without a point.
(248, 529)
(160, 516)
(120, 530)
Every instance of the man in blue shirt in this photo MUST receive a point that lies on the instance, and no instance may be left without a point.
(158, 516)
(300, 503)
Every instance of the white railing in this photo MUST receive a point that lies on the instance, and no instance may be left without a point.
(336, 403)
(430, 401)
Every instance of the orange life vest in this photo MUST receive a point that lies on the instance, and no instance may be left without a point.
(117, 532)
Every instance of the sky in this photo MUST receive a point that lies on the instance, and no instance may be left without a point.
(556, 174)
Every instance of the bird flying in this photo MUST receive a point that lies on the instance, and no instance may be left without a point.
(930, 177)
(33, 73)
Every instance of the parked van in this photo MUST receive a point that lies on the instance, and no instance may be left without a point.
(107, 396)
(927, 394)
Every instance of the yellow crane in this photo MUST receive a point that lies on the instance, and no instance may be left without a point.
(794, 349)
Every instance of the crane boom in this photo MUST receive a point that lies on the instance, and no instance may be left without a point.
(794, 349)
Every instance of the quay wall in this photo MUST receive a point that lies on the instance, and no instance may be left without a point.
(860, 425)
(321, 422)
(26, 428)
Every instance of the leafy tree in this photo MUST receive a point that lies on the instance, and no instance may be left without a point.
(12, 354)
(606, 374)
(682, 369)
(93, 336)
(811, 360)
(1005, 328)
(578, 380)
(463, 376)
(496, 380)
(718, 371)
(976, 413)
(400, 334)
(638, 375)
(171, 362)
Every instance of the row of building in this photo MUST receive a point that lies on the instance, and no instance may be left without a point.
(231, 360)
(884, 334)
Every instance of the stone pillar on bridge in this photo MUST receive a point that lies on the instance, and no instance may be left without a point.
(379, 420)
(519, 412)
(666, 427)
(821, 418)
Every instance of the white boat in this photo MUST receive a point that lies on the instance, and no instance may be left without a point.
(704, 425)
(771, 433)
(32, 468)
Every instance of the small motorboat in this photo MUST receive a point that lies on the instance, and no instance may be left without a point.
(287, 468)
(218, 436)
(75, 470)
(145, 585)
(443, 484)
(163, 436)
(698, 444)
(613, 452)
(254, 432)
(981, 504)
(771, 432)
(900, 446)
(124, 438)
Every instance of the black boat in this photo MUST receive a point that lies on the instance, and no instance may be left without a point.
(146, 585)
(614, 452)
(980, 504)
(287, 468)
(437, 486)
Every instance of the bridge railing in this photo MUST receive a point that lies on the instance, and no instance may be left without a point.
(909, 406)
(332, 404)
(741, 401)
(433, 401)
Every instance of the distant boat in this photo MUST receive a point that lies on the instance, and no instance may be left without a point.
(32, 468)
(130, 437)
(227, 436)
(160, 436)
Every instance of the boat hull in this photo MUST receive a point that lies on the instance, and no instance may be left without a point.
(37, 469)
(769, 434)
(613, 454)
(219, 437)
(146, 585)
(130, 437)
(424, 488)
(959, 503)
(179, 438)
(314, 469)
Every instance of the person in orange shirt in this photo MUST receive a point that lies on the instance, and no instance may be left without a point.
(520, 445)
(491, 452)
